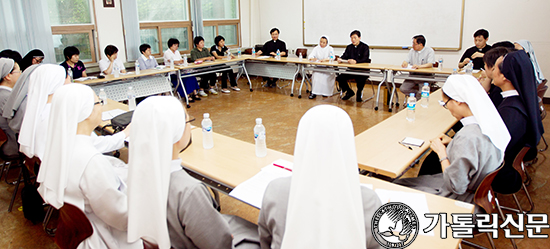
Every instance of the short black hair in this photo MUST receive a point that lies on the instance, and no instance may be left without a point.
(490, 58)
(143, 47)
(218, 39)
(110, 50)
(420, 39)
(273, 30)
(482, 32)
(504, 44)
(173, 41)
(355, 32)
(69, 51)
(12, 54)
(197, 40)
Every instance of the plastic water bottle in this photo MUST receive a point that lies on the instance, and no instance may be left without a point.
(207, 140)
(425, 95)
(440, 66)
(411, 106)
(278, 54)
(137, 67)
(469, 67)
(116, 71)
(185, 63)
(455, 71)
(103, 96)
(259, 138)
(228, 55)
(239, 53)
(70, 73)
(172, 63)
(253, 52)
(131, 98)
(300, 57)
(331, 57)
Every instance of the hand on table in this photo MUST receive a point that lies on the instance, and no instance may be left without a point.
(404, 64)
(415, 66)
(339, 60)
(466, 61)
(352, 61)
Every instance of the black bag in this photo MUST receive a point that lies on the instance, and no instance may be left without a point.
(33, 209)
(120, 122)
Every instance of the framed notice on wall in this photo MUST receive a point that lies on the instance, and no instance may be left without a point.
(108, 3)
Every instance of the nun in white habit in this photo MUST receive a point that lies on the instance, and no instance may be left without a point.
(323, 83)
(168, 207)
(74, 171)
(322, 204)
(474, 152)
(43, 82)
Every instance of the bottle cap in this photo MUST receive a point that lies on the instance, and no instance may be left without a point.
(426, 84)
(259, 121)
(411, 95)
(206, 115)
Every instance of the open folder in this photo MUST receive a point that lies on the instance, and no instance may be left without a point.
(252, 190)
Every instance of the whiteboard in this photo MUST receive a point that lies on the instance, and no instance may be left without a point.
(385, 23)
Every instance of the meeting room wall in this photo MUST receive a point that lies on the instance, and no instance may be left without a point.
(504, 19)
(109, 28)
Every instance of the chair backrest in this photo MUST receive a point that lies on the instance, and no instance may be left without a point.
(73, 227)
(3, 137)
(435, 64)
(518, 162)
(485, 196)
(303, 51)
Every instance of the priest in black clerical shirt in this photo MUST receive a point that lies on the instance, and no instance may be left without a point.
(270, 48)
(476, 52)
(356, 52)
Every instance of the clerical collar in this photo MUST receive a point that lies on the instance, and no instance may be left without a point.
(509, 93)
(468, 120)
(175, 165)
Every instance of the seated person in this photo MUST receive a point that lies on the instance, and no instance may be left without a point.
(200, 53)
(322, 83)
(112, 63)
(335, 215)
(9, 73)
(172, 54)
(72, 61)
(73, 171)
(528, 48)
(270, 49)
(486, 79)
(475, 151)
(156, 177)
(146, 60)
(218, 51)
(33, 57)
(420, 56)
(356, 52)
(12, 54)
(520, 112)
(476, 52)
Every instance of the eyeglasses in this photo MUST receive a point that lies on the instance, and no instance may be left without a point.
(18, 71)
(444, 104)
(99, 102)
(191, 119)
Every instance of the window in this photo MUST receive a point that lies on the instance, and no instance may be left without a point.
(160, 20)
(72, 25)
(221, 17)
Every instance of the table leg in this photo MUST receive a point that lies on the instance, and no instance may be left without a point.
(248, 78)
(180, 83)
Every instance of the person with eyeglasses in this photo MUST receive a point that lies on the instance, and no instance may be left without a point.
(475, 150)
(74, 171)
(9, 73)
(33, 57)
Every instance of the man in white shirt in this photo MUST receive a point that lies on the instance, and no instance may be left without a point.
(111, 64)
(420, 56)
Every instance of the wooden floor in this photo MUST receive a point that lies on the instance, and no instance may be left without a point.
(234, 115)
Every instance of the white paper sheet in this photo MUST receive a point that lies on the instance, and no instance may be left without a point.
(85, 78)
(252, 190)
(263, 57)
(108, 115)
(416, 201)
(412, 141)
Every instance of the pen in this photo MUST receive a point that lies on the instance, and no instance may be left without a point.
(282, 167)
(406, 146)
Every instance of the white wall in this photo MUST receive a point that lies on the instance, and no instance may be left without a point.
(109, 28)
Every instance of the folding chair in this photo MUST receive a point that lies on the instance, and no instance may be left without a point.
(73, 227)
(541, 90)
(520, 168)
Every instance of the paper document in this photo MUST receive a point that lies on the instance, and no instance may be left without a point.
(252, 190)
(416, 201)
(108, 115)
(409, 66)
(264, 57)
(412, 141)
(475, 71)
(85, 78)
